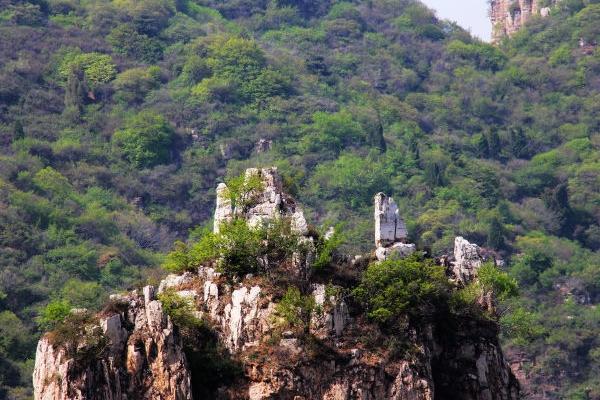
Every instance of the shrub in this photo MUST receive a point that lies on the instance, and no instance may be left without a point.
(295, 309)
(181, 310)
(133, 85)
(126, 40)
(521, 326)
(242, 191)
(80, 335)
(492, 278)
(326, 248)
(410, 286)
(55, 312)
(238, 249)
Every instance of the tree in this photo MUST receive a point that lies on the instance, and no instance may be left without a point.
(495, 236)
(146, 139)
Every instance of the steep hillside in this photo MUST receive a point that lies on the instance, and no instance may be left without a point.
(118, 118)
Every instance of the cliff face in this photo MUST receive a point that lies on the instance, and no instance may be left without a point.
(508, 16)
(143, 357)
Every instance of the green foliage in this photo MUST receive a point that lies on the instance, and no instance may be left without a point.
(98, 68)
(181, 310)
(521, 326)
(238, 249)
(146, 139)
(393, 288)
(53, 314)
(80, 335)
(126, 40)
(492, 278)
(333, 131)
(134, 84)
(485, 56)
(326, 248)
(295, 309)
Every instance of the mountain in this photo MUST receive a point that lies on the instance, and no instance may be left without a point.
(119, 118)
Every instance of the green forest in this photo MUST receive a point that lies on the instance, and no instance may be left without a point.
(118, 118)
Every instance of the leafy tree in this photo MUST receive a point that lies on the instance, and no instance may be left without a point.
(98, 68)
(126, 40)
(134, 84)
(146, 139)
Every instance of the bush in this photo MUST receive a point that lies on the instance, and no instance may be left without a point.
(54, 313)
(492, 278)
(521, 326)
(238, 249)
(80, 335)
(295, 310)
(181, 310)
(326, 248)
(392, 288)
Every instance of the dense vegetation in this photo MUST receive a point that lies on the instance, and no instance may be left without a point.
(118, 118)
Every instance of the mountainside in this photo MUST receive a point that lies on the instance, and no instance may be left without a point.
(325, 354)
(118, 118)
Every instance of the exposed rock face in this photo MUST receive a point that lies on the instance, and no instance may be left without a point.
(508, 16)
(143, 359)
(467, 260)
(389, 227)
(390, 230)
(265, 205)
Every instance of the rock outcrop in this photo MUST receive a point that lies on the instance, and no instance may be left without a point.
(390, 230)
(329, 359)
(142, 359)
(508, 16)
(260, 205)
(467, 260)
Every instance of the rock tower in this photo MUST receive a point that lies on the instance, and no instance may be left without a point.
(508, 16)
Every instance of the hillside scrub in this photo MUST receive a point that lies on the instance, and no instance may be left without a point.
(118, 119)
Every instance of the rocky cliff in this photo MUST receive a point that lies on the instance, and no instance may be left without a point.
(508, 16)
(339, 355)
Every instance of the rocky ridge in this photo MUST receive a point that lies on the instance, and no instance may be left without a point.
(144, 356)
(508, 16)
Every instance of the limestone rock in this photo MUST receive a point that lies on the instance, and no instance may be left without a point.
(397, 250)
(175, 281)
(333, 315)
(508, 16)
(390, 230)
(144, 360)
(223, 209)
(262, 206)
(389, 227)
(467, 260)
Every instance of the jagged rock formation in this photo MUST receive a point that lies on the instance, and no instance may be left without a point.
(144, 358)
(467, 260)
(508, 16)
(260, 206)
(390, 230)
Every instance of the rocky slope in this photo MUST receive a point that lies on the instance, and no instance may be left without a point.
(143, 356)
(508, 16)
